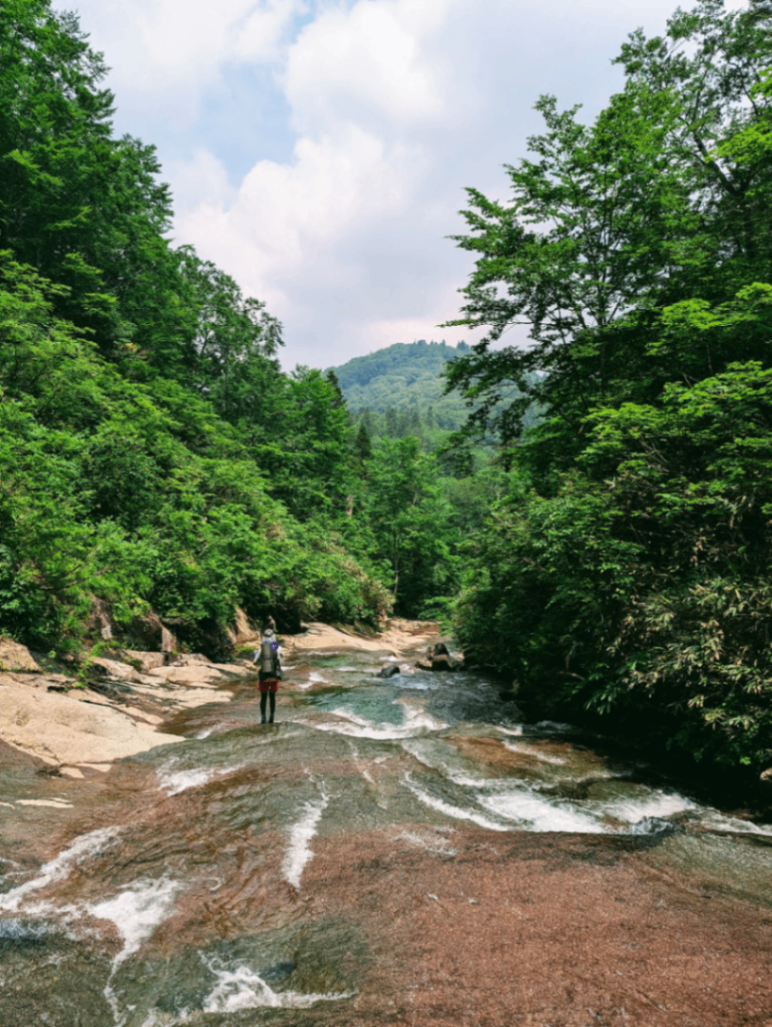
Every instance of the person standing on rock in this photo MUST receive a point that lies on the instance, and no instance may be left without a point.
(269, 657)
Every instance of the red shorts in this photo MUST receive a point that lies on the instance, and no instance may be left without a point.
(269, 685)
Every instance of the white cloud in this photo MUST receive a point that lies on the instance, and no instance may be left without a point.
(166, 54)
(288, 224)
(399, 104)
(367, 61)
(395, 106)
(261, 36)
(203, 179)
(319, 237)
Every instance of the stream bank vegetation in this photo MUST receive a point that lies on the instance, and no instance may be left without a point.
(626, 570)
(153, 456)
(158, 469)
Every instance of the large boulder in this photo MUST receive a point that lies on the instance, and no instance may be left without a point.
(443, 662)
(104, 668)
(154, 635)
(194, 670)
(242, 631)
(100, 620)
(17, 657)
(147, 661)
(438, 658)
(80, 728)
(191, 675)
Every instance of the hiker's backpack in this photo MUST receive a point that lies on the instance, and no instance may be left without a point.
(269, 660)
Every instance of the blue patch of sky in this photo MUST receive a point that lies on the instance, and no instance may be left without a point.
(246, 120)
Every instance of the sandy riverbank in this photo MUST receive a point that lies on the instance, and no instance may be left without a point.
(80, 731)
(396, 637)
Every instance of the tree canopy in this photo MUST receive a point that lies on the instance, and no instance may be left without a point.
(626, 570)
(152, 453)
(663, 199)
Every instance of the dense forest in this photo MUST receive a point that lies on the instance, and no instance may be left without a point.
(153, 455)
(626, 571)
(591, 513)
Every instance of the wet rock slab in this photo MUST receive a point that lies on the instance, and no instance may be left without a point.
(549, 930)
(288, 970)
(45, 977)
(385, 854)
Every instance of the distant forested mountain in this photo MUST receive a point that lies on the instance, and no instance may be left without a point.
(404, 375)
(399, 388)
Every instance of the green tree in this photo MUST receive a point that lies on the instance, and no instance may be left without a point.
(152, 452)
(305, 446)
(138, 494)
(363, 446)
(82, 207)
(338, 398)
(640, 587)
(391, 424)
(410, 522)
(610, 223)
(624, 570)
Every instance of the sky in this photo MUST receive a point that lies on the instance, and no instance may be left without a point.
(318, 150)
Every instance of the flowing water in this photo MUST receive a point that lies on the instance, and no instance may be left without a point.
(188, 885)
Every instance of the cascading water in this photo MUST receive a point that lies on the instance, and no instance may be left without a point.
(179, 891)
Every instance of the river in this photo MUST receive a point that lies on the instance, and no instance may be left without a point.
(403, 850)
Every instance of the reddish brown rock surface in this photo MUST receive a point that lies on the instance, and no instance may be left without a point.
(544, 930)
(420, 918)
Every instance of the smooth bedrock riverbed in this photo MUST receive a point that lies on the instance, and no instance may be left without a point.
(398, 851)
